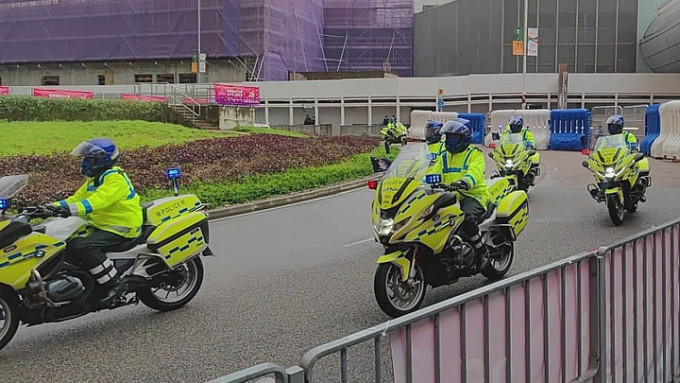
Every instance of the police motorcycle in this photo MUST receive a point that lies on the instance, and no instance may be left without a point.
(417, 220)
(513, 157)
(621, 176)
(393, 133)
(162, 268)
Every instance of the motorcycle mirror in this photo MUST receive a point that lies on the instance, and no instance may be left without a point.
(380, 164)
(639, 157)
(583, 140)
(585, 164)
(495, 136)
(531, 152)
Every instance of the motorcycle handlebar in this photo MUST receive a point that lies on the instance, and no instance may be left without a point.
(37, 212)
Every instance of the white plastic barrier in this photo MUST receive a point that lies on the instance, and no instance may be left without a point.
(537, 120)
(419, 119)
(668, 143)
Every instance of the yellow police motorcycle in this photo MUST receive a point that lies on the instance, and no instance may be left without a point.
(162, 267)
(621, 176)
(417, 220)
(513, 158)
(393, 133)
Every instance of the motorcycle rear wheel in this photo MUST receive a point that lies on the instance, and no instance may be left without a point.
(615, 209)
(395, 296)
(9, 316)
(178, 289)
(500, 262)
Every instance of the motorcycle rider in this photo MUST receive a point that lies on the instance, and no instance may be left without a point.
(462, 164)
(615, 126)
(433, 137)
(516, 125)
(109, 202)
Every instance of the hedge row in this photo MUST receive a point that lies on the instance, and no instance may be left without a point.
(29, 108)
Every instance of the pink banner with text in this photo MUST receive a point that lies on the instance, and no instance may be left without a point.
(142, 97)
(4, 90)
(226, 94)
(60, 93)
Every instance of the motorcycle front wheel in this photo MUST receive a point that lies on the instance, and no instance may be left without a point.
(500, 261)
(175, 288)
(395, 296)
(615, 209)
(9, 316)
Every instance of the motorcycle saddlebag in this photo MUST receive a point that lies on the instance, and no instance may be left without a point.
(180, 237)
(165, 209)
(514, 210)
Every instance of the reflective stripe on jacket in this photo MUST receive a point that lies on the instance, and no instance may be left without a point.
(468, 165)
(111, 204)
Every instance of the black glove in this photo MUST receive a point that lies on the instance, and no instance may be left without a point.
(461, 184)
(59, 211)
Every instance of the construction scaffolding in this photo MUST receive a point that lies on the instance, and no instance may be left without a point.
(271, 38)
(100, 30)
(369, 35)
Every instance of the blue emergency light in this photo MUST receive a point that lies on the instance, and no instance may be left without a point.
(4, 203)
(173, 173)
(433, 179)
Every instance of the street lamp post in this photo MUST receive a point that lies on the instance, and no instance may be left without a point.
(524, 56)
(198, 64)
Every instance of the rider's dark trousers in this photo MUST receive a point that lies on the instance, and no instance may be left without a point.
(87, 253)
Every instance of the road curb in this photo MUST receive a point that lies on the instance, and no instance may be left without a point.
(269, 203)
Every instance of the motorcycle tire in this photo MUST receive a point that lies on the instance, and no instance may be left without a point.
(496, 272)
(193, 275)
(383, 274)
(9, 315)
(615, 209)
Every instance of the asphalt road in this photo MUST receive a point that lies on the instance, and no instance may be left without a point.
(295, 277)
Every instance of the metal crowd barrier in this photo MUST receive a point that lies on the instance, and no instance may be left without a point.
(611, 315)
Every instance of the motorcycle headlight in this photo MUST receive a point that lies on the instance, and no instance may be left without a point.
(609, 173)
(509, 163)
(385, 226)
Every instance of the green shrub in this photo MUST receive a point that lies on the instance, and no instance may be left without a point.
(28, 108)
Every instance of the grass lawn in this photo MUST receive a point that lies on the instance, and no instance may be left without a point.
(45, 137)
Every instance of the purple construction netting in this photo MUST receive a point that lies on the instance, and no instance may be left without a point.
(363, 34)
(285, 35)
(89, 30)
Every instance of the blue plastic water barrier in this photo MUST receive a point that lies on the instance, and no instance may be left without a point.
(652, 128)
(478, 123)
(566, 128)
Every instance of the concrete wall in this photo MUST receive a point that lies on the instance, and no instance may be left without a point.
(117, 72)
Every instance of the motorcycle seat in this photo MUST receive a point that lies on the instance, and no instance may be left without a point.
(490, 208)
(122, 247)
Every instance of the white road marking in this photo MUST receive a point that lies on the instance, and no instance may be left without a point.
(359, 242)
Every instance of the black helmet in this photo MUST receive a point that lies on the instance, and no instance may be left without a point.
(615, 124)
(516, 124)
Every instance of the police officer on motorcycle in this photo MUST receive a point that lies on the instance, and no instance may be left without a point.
(615, 126)
(109, 202)
(433, 137)
(516, 125)
(462, 165)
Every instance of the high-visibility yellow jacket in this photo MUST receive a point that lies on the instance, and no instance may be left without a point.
(110, 204)
(468, 165)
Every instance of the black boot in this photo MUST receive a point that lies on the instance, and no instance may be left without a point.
(481, 251)
(111, 290)
(110, 284)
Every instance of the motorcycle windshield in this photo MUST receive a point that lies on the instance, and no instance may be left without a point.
(413, 161)
(611, 142)
(513, 138)
(11, 185)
